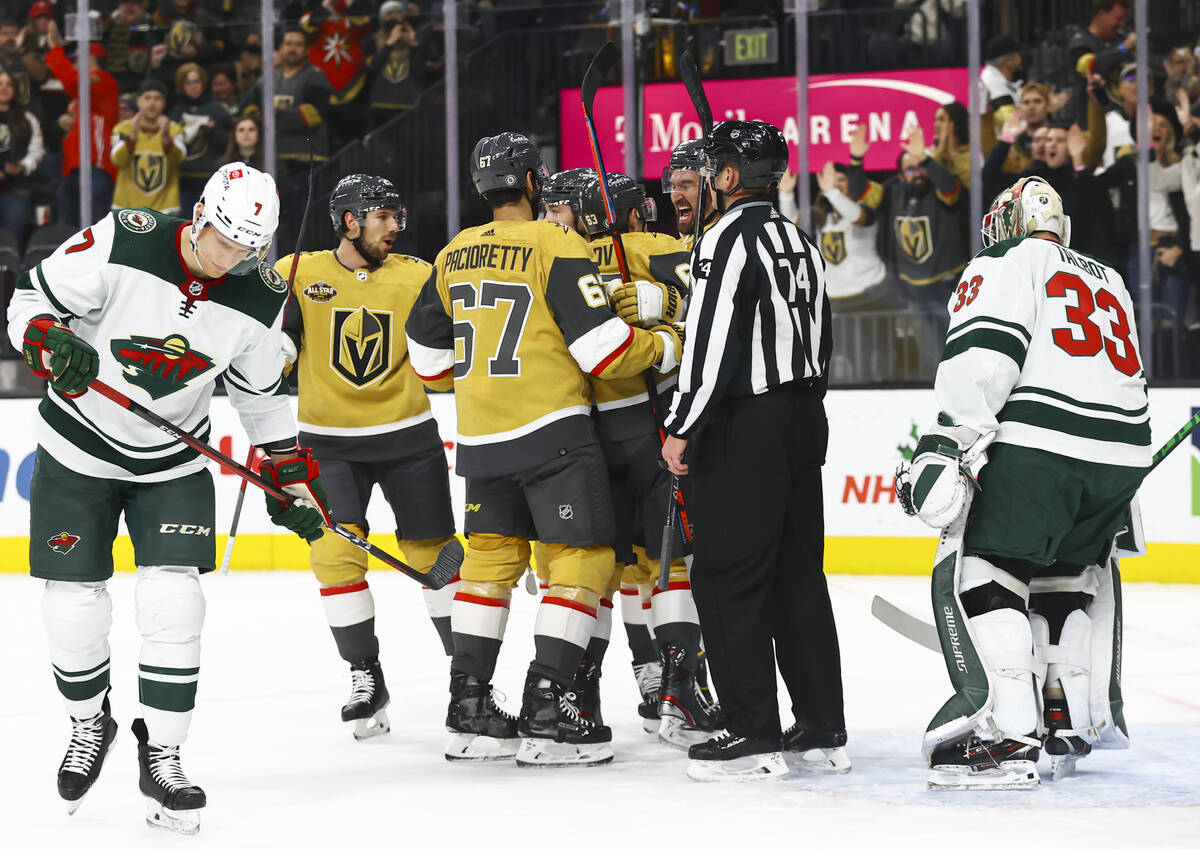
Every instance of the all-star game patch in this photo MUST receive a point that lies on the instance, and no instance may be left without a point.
(63, 542)
(272, 278)
(137, 222)
(320, 292)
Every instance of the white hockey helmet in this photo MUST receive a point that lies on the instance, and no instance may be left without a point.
(1027, 206)
(242, 204)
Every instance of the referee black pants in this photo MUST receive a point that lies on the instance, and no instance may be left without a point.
(757, 578)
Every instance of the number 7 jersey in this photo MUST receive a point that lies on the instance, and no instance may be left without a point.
(1042, 348)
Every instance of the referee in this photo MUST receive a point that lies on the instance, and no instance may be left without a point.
(752, 380)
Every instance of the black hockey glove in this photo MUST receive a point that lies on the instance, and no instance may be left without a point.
(54, 352)
(310, 512)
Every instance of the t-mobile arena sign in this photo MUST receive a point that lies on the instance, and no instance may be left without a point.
(888, 103)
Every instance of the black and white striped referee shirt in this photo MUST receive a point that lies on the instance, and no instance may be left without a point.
(759, 316)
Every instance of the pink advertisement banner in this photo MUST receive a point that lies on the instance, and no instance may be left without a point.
(888, 103)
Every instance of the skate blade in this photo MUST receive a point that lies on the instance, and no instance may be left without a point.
(477, 747)
(750, 768)
(548, 753)
(372, 726)
(1010, 775)
(650, 726)
(674, 732)
(183, 822)
(1062, 765)
(73, 805)
(826, 761)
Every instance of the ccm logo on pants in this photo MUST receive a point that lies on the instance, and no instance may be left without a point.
(189, 530)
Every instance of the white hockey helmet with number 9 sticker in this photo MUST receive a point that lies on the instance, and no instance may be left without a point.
(242, 204)
(1027, 206)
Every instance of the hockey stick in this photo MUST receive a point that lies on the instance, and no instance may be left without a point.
(924, 633)
(604, 61)
(237, 514)
(448, 559)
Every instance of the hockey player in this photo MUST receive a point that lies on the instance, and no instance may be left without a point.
(516, 314)
(681, 180)
(365, 415)
(160, 307)
(628, 434)
(1042, 364)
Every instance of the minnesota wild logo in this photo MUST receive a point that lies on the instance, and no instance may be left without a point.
(159, 366)
(362, 345)
(63, 542)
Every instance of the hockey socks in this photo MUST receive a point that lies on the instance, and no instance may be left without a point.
(566, 620)
(637, 632)
(422, 555)
(350, 611)
(478, 617)
(78, 616)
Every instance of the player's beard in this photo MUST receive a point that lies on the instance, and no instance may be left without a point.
(374, 252)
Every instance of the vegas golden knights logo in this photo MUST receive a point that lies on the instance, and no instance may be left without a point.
(285, 101)
(362, 345)
(833, 246)
(149, 171)
(915, 236)
(397, 65)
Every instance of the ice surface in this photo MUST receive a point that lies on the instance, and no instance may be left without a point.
(280, 769)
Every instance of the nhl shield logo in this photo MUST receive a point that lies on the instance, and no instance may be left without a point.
(833, 246)
(63, 542)
(319, 292)
(362, 345)
(566, 512)
(159, 366)
(915, 236)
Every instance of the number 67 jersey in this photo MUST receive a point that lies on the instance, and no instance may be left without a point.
(1042, 348)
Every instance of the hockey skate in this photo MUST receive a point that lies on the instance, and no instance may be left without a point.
(816, 751)
(587, 689)
(686, 716)
(648, 677)
(975, 764)
(91, 742)
(368, 700)
(555, 731)
(479, 729)
(1064, 745)
(730, 757)
(173, 802)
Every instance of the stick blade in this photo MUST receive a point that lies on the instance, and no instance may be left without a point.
(603, 62)
(690, 72)
(449, 561)
(905, 624)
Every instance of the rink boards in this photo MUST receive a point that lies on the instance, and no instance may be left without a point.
(867, 533)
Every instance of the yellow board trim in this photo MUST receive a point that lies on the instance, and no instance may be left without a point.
(1167, 563)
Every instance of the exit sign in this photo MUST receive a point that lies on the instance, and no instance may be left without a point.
(751, 46)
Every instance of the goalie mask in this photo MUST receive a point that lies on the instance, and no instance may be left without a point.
(242, 204)
(1027, 206)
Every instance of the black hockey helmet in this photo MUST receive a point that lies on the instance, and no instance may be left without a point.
(580, 189)
(688, 155)
(757, 148)
(360, 194)
(502, 161)
(627, 195)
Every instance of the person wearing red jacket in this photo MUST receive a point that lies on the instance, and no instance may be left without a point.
(104, 94)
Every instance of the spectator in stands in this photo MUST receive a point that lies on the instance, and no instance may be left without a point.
(249, 65)
(1189, 117)
(245, 145)
(13, 58)
(924, 236)
(222, 81)
(1101, 48)
(951, 140)
(104, 92)
(1180, 66)
(1122, 111)
(128, 38)
(337, 30)
(36, 39)
(206, 126)
(395, 71)
(126, 106)
(1000, 79)
(148, 151)
(187, 33)
(21, 152)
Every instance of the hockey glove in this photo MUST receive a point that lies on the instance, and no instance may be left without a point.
(672, 336)
(947, 460)
(309, 513)
(647, 302)
(54, 352)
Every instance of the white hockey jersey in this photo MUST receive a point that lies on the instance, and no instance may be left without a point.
(163, 337)
(1042, 348)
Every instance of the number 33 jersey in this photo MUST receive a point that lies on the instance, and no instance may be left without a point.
(1042, 347)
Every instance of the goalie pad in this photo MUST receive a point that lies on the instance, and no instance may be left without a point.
(1107, 705)
(1131, 541)
(989, 658)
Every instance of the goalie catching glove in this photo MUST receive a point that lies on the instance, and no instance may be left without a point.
(647, 302)
(309, 513)
(55, 353)
(933, 487)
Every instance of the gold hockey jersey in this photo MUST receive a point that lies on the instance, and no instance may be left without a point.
(358, 397)
(623, 405)
(517, 312)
